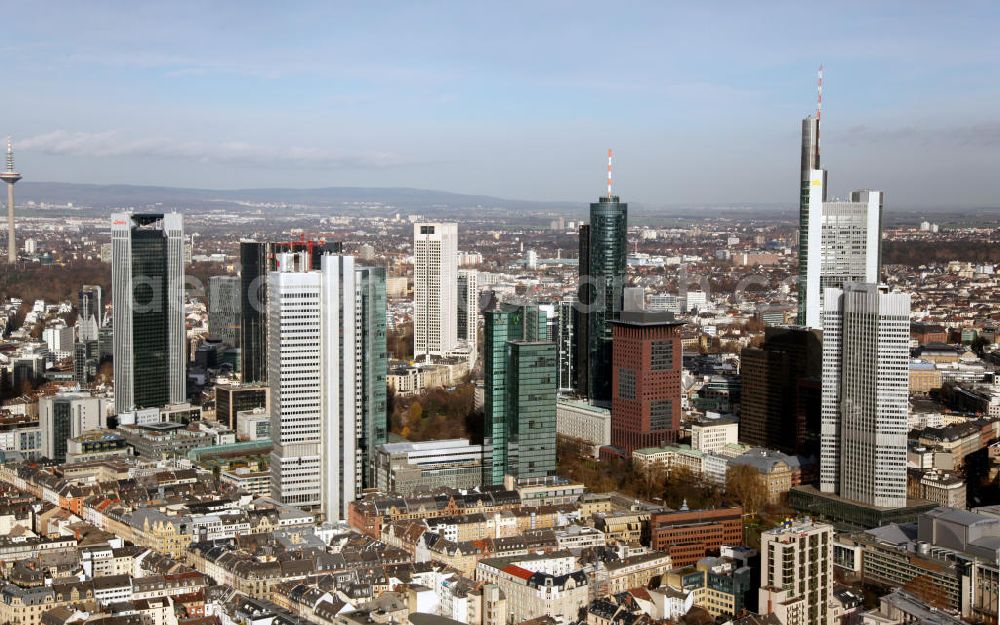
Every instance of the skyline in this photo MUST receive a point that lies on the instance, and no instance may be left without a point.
(515, 104)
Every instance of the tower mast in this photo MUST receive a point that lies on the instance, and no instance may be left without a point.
(10, 176)
(610, 154)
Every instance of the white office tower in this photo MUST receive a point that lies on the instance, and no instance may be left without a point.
(468, 308)
(435, 288)
(844, 243)
(796, 573)
(147, 286)
(313, 378)
(866, 333)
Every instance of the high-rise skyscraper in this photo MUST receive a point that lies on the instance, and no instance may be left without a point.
(257, 259)
(646, 378)
(224, 309)
(147, 283)
(10, 176)
(531, 409)
(809, 163)
(372, 364)
(601, 293)
(796, 574)
(91, 313)
(581, 321)
(506, 324)
(435, 288)
(566, 343)
(780, 397)
(468, 308)
(866, 333)
(312, 349)
(845, 244)
(838, 241)
(327, 378)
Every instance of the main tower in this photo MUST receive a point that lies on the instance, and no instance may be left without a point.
(10, 177)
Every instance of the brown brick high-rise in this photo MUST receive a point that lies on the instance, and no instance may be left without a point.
(645, 380)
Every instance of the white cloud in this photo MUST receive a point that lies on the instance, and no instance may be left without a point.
(117, 144)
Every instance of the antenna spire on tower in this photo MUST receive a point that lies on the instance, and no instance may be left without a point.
(819, 102)
(610, 154)
(10, 155)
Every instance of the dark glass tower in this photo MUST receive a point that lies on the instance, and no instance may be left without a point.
(584, 296)
(780, 397)
(374, 362)
(257, 259)
(606, 260)
(147, 278)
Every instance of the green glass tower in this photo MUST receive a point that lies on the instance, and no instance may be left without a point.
(509, 323)
(531, 408)
(606, 259)
(373, 361)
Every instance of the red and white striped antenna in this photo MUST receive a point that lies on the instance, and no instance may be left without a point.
(819, 102)
(610, 154)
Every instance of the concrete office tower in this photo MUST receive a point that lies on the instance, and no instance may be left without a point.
(65, 415)
(646, 378)
(509, 323)
(468, 308)
(371, 368)
(10, 176)
(781, 389)
(257, 259)
(796, 573)
(224, 309)
(601, 293)
(318, 391)
(866, 333)
(435, 288)
(147, 285)
(566, 343)
(845, 244)
(91, 313)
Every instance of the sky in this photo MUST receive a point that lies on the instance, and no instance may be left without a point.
(701, 101)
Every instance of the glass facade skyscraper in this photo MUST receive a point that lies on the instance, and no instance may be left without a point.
(531, 408)
(372, 362)
(605, 279)
(509, 323)
(149, 330)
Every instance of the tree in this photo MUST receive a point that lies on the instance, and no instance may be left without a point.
(746, 485)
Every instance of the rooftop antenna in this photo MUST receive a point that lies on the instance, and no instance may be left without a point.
(819, 102)
(610, 154)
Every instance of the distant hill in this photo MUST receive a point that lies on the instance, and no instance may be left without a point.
(341, 198)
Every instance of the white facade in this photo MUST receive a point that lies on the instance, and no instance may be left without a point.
(60, 340)
(313, 380)
(581, 420)
(866, 384)
(69, 414)
(844, 243)
(796, 575)
(435, 288)
(468, 308)
(713, 437)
